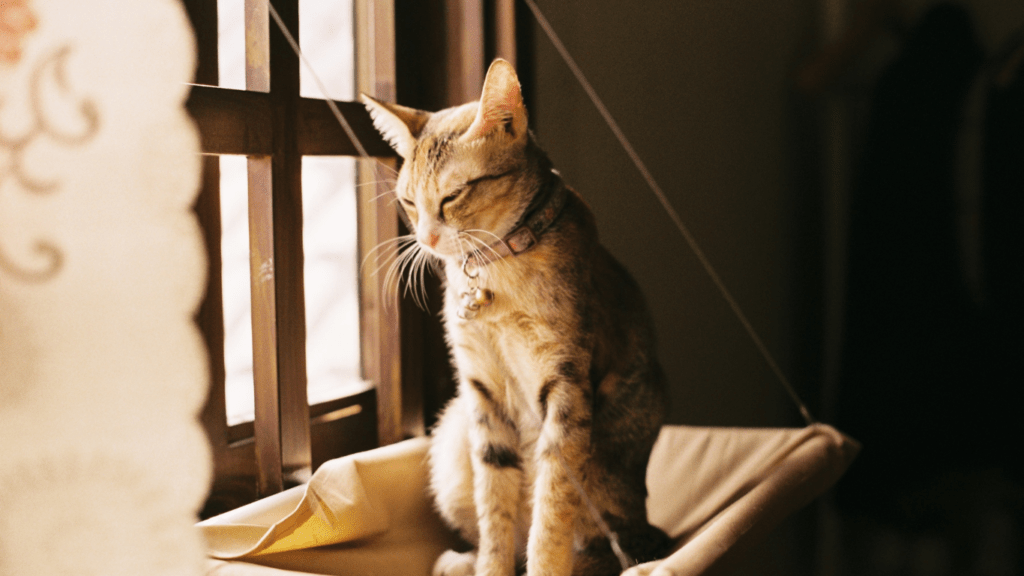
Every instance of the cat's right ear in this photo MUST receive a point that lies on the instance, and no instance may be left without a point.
(399, 125)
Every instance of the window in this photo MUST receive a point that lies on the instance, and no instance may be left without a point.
(303, 349)
(309, 359)
(328, 216)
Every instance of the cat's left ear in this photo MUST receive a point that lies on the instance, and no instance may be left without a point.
(501, 105)
(399, 125)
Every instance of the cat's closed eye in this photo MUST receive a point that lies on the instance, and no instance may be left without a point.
(484, 178)
(458, 192)
(468, 186)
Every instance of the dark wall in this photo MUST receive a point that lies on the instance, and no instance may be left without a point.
(703, 91)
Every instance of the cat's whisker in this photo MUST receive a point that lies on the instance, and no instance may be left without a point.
(421, 294)
(407, 250)
(419, 272)
(406, 261)
(378, 166)
(464, 246)
(386, 284)
(379, 251)
(500, 267)
(390, 183)
(385, 179)
(385, 243)
(482, 231)
(389, 260)
(406, 269)
(394, 274)
(389, 192)
(483, 244)
(471, 233)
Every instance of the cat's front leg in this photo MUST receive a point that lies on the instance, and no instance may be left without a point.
(497, 480)
(563, 449)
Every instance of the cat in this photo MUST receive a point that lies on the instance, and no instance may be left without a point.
(560, 396)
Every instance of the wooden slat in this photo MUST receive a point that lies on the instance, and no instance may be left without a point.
(505, 30)
(231, 121)
(264, 289)
(296, 455)
(263, 274)
(333, 436)
(321, 134)
(238, 122)
(378, 221)
(257, 46)
(465, 50)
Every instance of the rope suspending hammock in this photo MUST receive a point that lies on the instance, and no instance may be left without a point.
(711, 489)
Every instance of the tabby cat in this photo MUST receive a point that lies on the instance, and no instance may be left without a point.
(559, 390)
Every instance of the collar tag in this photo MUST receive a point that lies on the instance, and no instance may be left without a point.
(521, 240)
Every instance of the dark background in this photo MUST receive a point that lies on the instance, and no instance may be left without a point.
(833, 211)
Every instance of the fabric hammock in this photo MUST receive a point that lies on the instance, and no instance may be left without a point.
(713, 490)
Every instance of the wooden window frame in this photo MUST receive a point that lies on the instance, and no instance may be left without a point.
(274, 127)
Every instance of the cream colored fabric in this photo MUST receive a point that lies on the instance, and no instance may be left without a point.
(103, 463)
(712, 489)
(373, 507)
(716, 489)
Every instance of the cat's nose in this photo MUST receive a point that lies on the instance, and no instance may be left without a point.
(430, 238)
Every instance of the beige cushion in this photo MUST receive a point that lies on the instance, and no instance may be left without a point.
(712, 489)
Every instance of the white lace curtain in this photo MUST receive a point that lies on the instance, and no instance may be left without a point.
(102, 371)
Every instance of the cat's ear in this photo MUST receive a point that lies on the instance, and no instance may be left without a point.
(399, 125)
(501, 104)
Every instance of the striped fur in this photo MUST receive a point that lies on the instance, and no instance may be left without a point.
(557, 377)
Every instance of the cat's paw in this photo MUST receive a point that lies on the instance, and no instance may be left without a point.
(453, 563)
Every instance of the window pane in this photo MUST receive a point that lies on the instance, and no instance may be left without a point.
(234, 246)
(231, 44)
(327, 39)
(331, 278)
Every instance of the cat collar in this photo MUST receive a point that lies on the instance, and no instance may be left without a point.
(524, 237)
(527, 234)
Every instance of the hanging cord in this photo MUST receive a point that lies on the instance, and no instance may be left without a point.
(683, 229)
